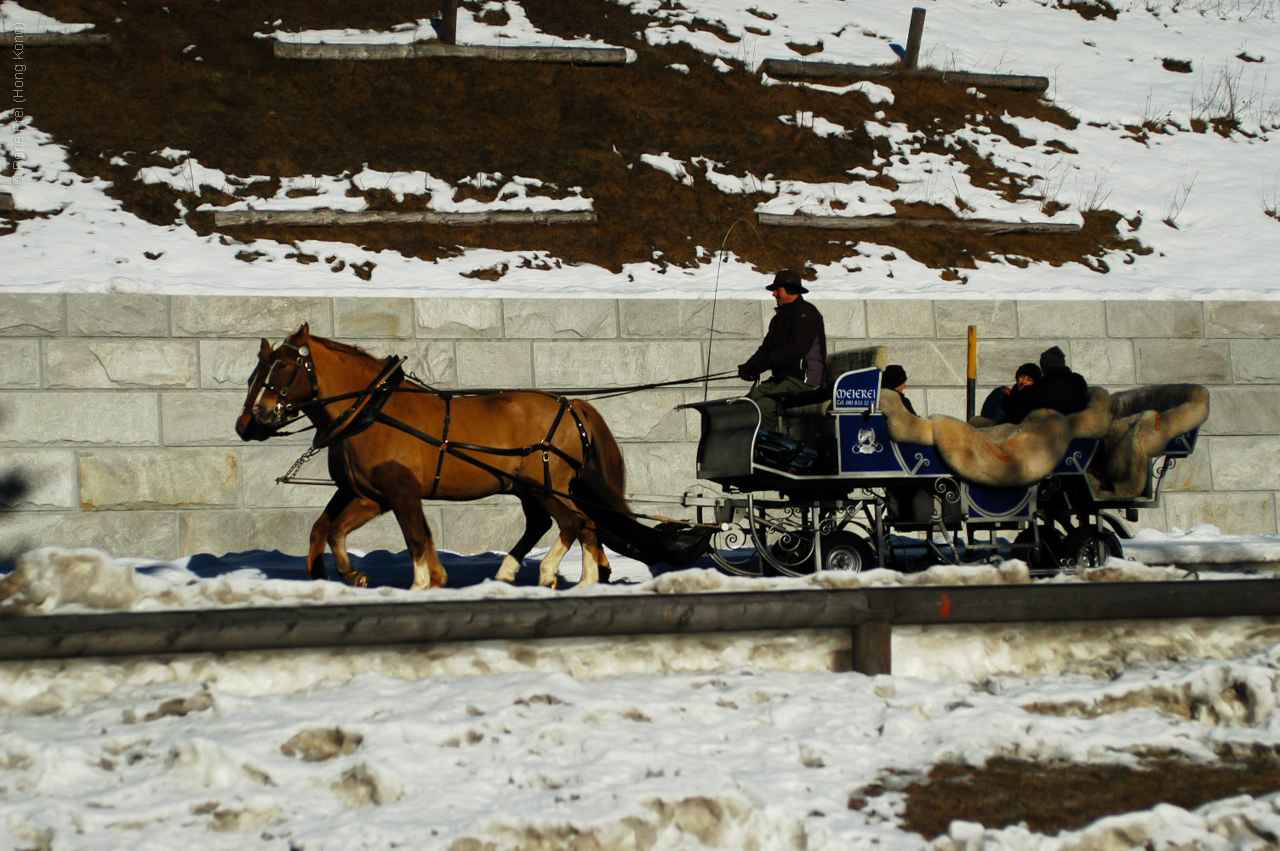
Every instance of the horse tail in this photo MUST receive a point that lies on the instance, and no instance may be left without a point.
(599, 491)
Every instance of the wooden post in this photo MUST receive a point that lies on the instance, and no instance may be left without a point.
(913, 38)
(449, 22)
(6, 201)
(971, 383)
(873, 648)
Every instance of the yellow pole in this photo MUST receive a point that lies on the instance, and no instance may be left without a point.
(971, 388)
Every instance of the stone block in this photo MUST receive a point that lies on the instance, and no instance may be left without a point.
(659, 472)
(1104, 362)
(432, 362)
(288, 530)
(1246, 463)
(998, 360)
(491, 525)
(117, 315)
(993, 319)
(1242, 319)
(141, 534)
(458, 319)
(273, 317)
(227, 364)
(1162, 319)
(206, 418)
(683, 319)
(560, 319)
(650, 415)
(31, 315)
(103, 364)
(19, 363)
(1060, 320)
(1192, 474)
(1255, 361)
(945, 400)
(37, 480)
(843, 319)
(613, 364)
(1177, 361)
(900, 318)
(118, 418)
(373, 317)
(932, 363)
(497, 364)
(1233, 513)
(1241, 410)
(725, 357)
(264, 463)
(159, 479)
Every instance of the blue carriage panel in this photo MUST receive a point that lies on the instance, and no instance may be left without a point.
(1182, 445)
(865, 448)
(983, 503)
(1080, 452)
(857, 391)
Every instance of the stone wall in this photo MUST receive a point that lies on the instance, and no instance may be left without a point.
(117, 411)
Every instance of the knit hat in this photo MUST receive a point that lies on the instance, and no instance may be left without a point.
(1051, 359)
(894, 376)
(1030, 370)
(788, 280)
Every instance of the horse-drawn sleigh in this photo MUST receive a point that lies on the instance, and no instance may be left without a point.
(855, 481)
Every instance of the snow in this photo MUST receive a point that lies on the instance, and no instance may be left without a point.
(734, 742)
(1219, 194)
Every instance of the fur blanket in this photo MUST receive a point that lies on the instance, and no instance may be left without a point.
(1002, 455)
(1143, 421)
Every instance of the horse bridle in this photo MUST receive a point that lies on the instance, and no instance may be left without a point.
(284, 409)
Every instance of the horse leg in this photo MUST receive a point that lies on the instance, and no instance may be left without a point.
(401, 490)
(571, 525)
(320, 533)
(536, 523)
(359, 512)
(595, 562)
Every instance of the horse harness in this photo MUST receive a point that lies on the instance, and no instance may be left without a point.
(367, 409)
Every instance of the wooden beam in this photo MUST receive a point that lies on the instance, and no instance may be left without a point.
(434, 50)
(913, 38)
(802, 69)
(52, 39)
(807, 220)
(329, 218)
(449, 22)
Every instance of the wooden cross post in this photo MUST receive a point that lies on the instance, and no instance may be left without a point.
(449, 22)
(913, 38)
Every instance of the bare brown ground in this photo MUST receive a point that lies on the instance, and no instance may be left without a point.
(1051, 798)
(246, 113)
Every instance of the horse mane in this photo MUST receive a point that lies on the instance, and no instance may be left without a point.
(333, 345)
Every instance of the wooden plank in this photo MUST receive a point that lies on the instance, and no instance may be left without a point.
(216, 630)
(438, 50)
(801, 69)
(330, 218)
(52, 39)
(808, 220)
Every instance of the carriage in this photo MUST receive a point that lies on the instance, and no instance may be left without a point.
(853, 480)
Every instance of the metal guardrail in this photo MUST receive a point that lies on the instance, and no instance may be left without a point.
(870, 613)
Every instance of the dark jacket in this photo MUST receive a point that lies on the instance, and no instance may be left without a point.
(795, 345)
(1058, 389)
(1001, 400)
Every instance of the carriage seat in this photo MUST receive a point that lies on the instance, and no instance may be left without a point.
(1143, 422)
(817, 402)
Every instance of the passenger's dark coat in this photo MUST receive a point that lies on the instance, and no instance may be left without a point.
(1059, 389)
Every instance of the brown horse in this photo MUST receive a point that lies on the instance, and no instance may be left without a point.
(392, 445)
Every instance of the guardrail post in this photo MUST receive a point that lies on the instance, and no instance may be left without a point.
(913, 38)
(873, 648)
(449, 22)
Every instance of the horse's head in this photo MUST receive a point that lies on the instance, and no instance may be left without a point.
(283, 381)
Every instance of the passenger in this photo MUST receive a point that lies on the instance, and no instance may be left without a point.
(1059, 389)
(994, 407)
(895, 378)
(794, 350)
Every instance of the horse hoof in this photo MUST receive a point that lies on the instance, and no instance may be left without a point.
(359, 581)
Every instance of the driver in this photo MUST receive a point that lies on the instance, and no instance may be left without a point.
(794, 350)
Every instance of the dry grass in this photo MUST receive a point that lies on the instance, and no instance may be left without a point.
(241, 111)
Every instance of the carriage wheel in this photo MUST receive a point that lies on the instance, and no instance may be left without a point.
(1087, 547)
(1042, 557)
(848, 552)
